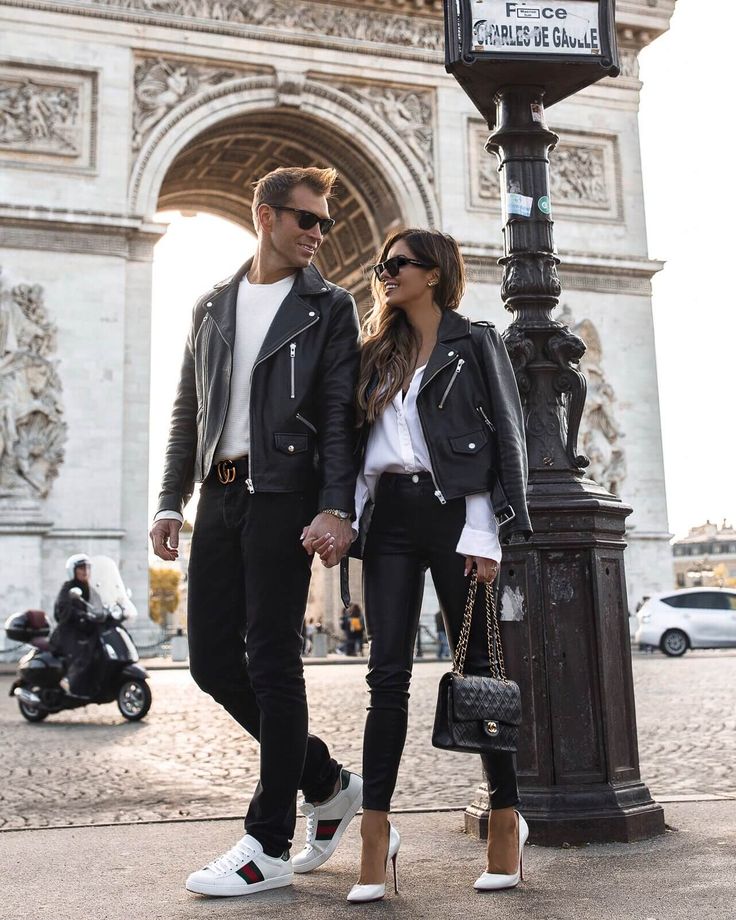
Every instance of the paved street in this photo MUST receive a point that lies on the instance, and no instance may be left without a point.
(187, 759)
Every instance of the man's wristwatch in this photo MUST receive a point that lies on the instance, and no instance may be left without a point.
(335, 512)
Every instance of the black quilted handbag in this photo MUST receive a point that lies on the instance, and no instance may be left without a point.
(475, 713)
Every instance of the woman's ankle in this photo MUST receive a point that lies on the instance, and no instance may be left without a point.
(503, 841)
(374, 833)
(374, 825)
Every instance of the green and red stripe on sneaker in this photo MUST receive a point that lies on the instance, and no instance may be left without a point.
(250, 873)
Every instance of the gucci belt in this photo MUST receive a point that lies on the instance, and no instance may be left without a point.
(229, 470)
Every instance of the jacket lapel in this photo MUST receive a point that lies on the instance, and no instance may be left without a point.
(292, 317)
(295, 314)
(453, 326)
(223, 302)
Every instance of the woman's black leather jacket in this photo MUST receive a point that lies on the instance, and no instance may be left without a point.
(472, 420)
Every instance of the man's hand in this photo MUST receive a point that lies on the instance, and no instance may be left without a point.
(165, 538)
(487, 568)
(328, 537)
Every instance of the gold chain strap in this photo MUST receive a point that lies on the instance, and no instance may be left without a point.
(493, 632)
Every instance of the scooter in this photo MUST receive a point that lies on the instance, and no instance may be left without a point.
(40, 686)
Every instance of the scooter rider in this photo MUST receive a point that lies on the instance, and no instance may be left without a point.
(73, 638)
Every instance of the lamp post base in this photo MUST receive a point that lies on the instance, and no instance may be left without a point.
(603, 814)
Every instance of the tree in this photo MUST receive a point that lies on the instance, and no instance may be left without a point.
(163, 593)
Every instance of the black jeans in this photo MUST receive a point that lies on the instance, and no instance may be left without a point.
(248, 583)
(410, 532)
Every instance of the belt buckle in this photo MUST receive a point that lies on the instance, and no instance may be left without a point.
(226, 472)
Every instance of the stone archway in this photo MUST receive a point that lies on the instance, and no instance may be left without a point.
(215, 173)
(206, 153)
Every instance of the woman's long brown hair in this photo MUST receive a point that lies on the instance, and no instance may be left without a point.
(389, 343)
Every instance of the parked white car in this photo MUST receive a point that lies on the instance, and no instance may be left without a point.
(675, 621)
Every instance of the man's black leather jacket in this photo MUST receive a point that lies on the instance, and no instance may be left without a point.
(472, 420)
(302, 422)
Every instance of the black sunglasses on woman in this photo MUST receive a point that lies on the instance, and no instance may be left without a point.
(394, 266)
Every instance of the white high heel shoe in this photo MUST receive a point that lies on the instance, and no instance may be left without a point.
(363, 893)
(492, 881)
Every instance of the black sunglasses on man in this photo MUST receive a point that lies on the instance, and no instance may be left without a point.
(306, 219)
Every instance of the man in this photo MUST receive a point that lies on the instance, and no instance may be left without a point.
(74, 639)
(263, 417)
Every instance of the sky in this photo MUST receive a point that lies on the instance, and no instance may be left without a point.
(690, 214)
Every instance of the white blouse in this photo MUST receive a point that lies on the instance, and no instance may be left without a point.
(396, 444)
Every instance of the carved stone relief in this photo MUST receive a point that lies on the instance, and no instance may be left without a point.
(601, 436)
(32, 429)
(628, 59)
(584, 174)
(410, 112)
(161, 84)
(47, 115)
(405, 31)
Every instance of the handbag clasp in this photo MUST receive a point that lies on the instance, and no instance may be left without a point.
(492, 728)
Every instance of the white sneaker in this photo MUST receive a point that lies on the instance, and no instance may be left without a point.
(326, 823)
(245, 869)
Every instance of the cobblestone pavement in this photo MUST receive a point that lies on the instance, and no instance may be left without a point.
(187, 759)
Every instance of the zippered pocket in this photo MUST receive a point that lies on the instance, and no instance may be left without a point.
(292, 355)
(304, 421)
(451, 384)
(481, 412)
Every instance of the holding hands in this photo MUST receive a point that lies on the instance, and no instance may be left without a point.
(328, 537)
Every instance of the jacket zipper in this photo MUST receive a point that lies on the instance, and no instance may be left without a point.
(304, 421)
(292, 355)
(437, 491)
(205, 345)
(249, 482)
(450, 385)
(481, 412)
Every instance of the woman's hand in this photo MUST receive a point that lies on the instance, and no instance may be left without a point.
(487, 568)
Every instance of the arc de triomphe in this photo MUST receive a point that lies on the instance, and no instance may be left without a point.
(111, 110)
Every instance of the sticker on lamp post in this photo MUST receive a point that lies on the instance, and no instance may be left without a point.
(528, 27)
(544, 204)
(518, 204)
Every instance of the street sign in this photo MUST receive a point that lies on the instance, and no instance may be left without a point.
(528, 27)
(560, 46)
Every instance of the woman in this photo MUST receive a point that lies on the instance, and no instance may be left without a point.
(444, 444)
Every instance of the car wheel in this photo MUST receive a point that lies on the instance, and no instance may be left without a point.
(134, 699)
(674, 643)
(32, 713)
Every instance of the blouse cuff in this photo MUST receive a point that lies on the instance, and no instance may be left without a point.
(479, 543)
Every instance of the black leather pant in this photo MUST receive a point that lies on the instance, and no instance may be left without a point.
(248, 583)
(411, 531)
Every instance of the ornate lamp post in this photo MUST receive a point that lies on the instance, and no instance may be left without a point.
(563, 594)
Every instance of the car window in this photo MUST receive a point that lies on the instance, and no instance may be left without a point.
(700, 600)
(677, 600)
(731, 601)
(708, 600)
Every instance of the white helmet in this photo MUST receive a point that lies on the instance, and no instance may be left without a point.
(73, 561)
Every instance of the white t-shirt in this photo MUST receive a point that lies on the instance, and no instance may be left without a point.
(256, 307)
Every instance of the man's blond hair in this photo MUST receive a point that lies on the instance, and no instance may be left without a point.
(276, 187)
